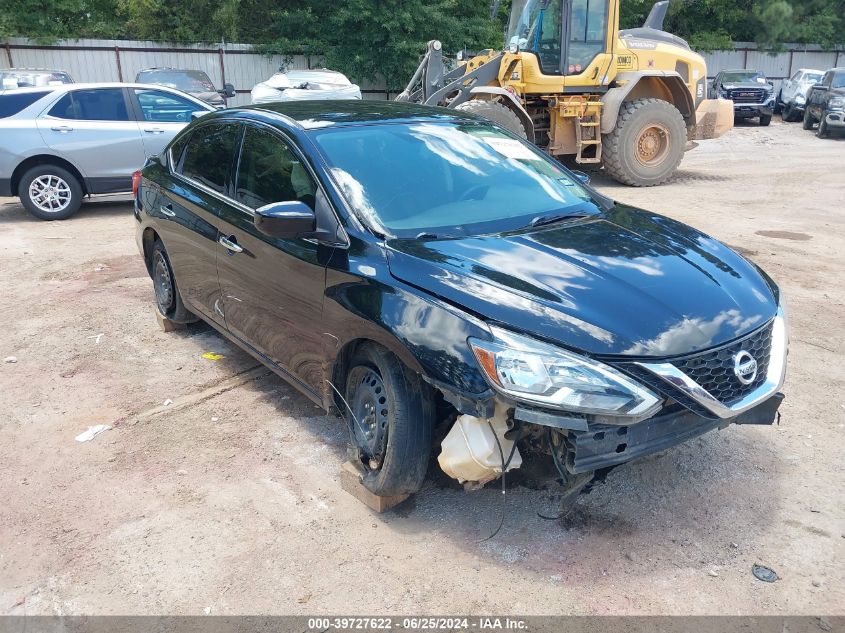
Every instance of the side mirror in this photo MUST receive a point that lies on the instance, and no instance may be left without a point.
(285, 219)
(581, 176)
(228, 91)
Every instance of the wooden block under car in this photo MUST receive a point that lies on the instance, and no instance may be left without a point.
(350, 481)
(166, 324)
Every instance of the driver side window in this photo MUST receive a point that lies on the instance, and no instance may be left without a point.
(269, 171)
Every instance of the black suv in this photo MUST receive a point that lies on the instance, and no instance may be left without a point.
(404, 265)
(826, 103)
(753, 95)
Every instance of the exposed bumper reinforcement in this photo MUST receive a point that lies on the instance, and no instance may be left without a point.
(605, 446)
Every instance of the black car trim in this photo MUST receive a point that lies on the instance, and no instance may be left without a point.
(108, 184)
(5, 186)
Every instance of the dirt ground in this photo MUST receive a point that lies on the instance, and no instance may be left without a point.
(232, 505)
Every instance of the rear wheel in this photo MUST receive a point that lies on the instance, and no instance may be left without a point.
(50, 192)
(495, 112)
(765, 119)
(647, 144)
(390, 422)
(808, 119)
(168, 300)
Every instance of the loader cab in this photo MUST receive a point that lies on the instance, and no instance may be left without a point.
(566, 35)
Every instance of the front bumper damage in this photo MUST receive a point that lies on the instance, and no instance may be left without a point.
(594, 442)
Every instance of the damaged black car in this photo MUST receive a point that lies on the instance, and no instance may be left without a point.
(409, 267)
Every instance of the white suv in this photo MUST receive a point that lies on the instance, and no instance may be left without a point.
(793, 92)
(60, 143)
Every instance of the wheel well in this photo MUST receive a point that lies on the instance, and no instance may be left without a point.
(148, 239)
(671, 89)
(344, 358)
(44, 159)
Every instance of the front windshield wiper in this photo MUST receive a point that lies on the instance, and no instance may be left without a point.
(551, 218)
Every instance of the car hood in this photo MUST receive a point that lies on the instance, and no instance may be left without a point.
(627, 283)
(210, 97)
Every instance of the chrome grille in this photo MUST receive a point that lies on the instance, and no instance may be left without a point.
(746, 95)
(714, 370)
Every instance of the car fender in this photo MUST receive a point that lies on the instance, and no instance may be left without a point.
(428, 335)
(661, 84)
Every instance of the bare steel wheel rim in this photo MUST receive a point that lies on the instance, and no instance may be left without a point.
(370, 406)
(163, 283)
(50, 193)
(652, 145)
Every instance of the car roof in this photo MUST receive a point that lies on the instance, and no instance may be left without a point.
(33, 70)
(84, 86)
(317, 114)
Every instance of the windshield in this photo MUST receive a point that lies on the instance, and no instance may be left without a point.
(742, 76)
(448, 179)
(10, 79)
(838, 80)
(184, 80)
(812, 78)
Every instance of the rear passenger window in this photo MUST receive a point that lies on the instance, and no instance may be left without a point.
(208, 155)
(14, 102)
(270, 172)
(100, 104)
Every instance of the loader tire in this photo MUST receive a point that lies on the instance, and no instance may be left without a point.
(647, 144)
(495, 112)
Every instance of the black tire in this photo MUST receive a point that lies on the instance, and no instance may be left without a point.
(821, 131)
(808, 119)
(168, 299)
(49, 186)
(788, 113)
(765, 119)
(400, 420)
(639, 121)
(495, 112)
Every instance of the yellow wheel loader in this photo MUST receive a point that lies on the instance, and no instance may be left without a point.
(574, 84)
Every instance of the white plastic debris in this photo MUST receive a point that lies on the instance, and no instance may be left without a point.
(92, 432)
(97, 338)
(167, 402)
(10, 359)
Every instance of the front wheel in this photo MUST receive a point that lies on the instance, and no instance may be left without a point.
(647, 144)
(390, 412)
(821, 132)
(808, 119)
(765, 119)
(50, 192)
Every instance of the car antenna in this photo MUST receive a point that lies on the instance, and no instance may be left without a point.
(360, 428)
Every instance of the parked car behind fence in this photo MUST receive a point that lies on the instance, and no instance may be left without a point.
(793, 92)
(60, 143)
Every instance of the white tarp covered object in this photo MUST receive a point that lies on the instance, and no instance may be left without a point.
(305, 85)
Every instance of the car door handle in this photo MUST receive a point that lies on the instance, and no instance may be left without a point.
(230, 243)
(62, 128)
(167, 210)
(153, 130)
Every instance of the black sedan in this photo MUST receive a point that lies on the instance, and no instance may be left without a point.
(409, 266)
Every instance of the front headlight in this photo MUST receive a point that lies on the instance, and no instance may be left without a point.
(543, 374)
(838, 102)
